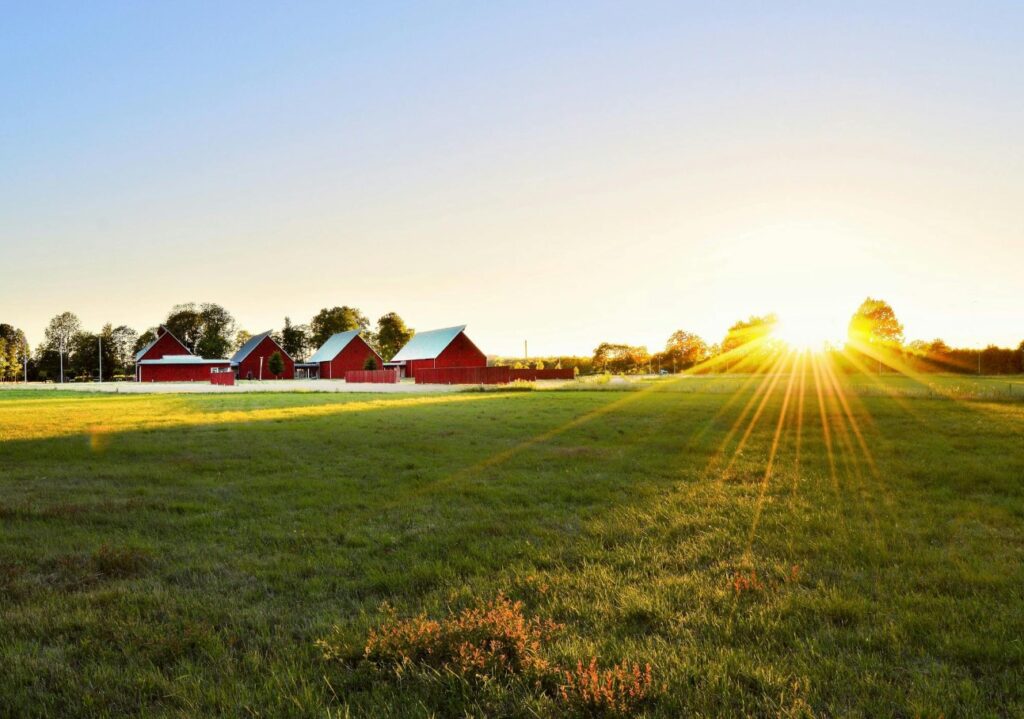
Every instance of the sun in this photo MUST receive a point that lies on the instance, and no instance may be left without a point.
(806, 333)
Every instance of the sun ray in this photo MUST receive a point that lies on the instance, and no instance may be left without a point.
(769, 466)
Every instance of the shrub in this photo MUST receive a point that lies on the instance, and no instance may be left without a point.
(370, 363)
(275, 363)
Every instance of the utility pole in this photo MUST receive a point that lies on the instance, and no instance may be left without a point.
(24, 357)
(261, 369)
(526, 351)
(60, 353)
(99, 342)
(979, 362)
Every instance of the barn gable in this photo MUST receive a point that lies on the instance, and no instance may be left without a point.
(165, 343)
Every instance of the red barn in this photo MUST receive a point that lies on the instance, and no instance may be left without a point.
(178, 368)
(252, 360)
(344, 352)
(163, 344)
(448, 347)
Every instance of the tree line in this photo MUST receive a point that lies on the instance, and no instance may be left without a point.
(206, 329)
(875, 342)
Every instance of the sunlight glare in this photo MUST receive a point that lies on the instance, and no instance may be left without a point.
(806, 333)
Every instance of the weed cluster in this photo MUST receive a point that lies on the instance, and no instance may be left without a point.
(495, 641)
(491, 639)
(618, 690)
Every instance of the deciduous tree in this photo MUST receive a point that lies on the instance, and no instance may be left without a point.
(392, 335)
(59, 334)
(331, 321)
(875, 322)
(684, 350)
(207, 329)
(295, 339)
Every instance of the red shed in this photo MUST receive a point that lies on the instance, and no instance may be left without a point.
(252, 360)
(344, 352)
(178, 368)
(163, 344)
(447, 347)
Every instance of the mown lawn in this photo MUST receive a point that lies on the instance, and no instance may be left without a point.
(181, 555)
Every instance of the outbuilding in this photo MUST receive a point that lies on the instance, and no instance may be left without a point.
(178, 368)
(446, 347)
(164, 344)
(252, 360)
(344, 352)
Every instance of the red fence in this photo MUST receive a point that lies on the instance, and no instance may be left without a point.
(531, 375)
(374, 376)
(463, 375)
(225, 378)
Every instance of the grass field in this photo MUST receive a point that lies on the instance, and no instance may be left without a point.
(768, 552)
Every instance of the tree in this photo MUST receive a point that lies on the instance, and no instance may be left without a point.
(83, 355)
(331, 321)
(143, 340)
(58, 335)
(684, 350)
(620, 358)
(370, 363)
(749, 345)
(392, 335)
(295, 339)
(207, 329)
(122, 341)
(875, 322)
(241, 337)
(275, 363)
(15, 352)
(753, 331)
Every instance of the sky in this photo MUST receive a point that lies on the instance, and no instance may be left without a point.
(560, 173)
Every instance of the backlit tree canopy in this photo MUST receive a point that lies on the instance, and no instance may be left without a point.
(875, 322)
(684, 350)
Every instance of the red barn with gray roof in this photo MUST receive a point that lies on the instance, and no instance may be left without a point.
(252, 360)
(446, 347)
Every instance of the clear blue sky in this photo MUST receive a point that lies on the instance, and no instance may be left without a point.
(563, 173)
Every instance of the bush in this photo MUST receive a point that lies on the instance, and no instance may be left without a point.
(275, 363)
(370, 363)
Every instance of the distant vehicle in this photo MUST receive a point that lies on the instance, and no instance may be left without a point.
(663, 372)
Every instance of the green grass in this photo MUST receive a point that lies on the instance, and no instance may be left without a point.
(180, 555)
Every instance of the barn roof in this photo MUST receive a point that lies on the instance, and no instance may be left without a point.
(333, 346)
(183, 359)
(249, 346)
(160, 332)
(428, 345)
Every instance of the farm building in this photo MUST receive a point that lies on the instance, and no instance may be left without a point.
(163, 344)
(447, 347)
(178, 368)
(252, 360)
(341, 353)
